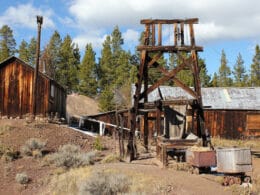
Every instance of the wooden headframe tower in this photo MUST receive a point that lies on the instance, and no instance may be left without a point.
(153, 44)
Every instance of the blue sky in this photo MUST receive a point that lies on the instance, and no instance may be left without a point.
(232, 25)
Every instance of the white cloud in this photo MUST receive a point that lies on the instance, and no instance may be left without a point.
(25, 16)
(95, 39)
(219, 19)
(131, 37)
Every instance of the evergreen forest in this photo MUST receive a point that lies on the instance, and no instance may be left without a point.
(108, 78)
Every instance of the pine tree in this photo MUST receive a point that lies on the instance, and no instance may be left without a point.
(32, 52)
(52, 55)
(88, 73)
(224, 79)
(7, 43)
(255, 68)
(106, 100)
(204, 77)
(116, 41)
(214, 81)
(106, 73)
(240, 77)
(185, 76)
(68, 66)
(23, 51)
(123, 69)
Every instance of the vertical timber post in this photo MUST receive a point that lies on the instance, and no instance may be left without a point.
(35, 81)
(152, 48)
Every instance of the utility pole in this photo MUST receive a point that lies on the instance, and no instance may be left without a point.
(35, 81)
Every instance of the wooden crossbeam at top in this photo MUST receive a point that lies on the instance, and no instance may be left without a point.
(161, 21)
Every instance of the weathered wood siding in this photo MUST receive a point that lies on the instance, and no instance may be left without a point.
(231, 123)
(57, 103)
(16, 79)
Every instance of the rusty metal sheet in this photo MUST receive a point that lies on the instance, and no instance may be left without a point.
(201, 158)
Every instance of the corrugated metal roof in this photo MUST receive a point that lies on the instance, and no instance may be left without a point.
(247, 98)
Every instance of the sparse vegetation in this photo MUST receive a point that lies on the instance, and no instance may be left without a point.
(111, 158)
(8, 154)
(33, 147)
(4, 129)
(256, 184)
(97, 144)
(240, 190)
(105, 183)
(70, 156)
(22, 178)
(220, 142)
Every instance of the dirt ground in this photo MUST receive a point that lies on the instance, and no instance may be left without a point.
(149, 177)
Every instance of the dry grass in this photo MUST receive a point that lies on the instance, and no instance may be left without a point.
(75, 180)
(111, 158)
(4, 129)
(219, 142)
(66, 183)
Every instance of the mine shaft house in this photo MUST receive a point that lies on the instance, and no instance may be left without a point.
(16, 90)
(229, 112)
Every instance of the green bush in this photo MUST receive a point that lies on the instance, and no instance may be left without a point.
(70, 156)
(22, 178)
(97, 144)
(105, 183)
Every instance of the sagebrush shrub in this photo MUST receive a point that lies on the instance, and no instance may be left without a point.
(105, 183)
(22, 178)
(33, 147)
(70, 156)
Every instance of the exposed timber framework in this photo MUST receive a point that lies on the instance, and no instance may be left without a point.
(151, 51)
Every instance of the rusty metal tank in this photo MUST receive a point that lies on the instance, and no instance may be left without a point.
(234, 160)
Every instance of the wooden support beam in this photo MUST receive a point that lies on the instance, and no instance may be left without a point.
(159, 34)
(175, 34)
(169, 48)
(146, 132)
(182, 34)
(168, 76)
(159, 21)
(154, 59)
(192, 39)
(153, 34)
(151, 106)
(158, 117)
(36, 70)
(147, 34)
(185, 87)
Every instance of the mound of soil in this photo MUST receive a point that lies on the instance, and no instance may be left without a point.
(14, 134)
(78, 105)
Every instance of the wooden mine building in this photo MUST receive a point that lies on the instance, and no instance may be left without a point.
(16, 86)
